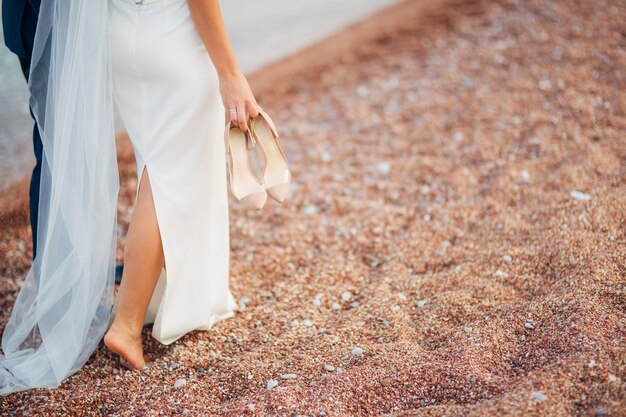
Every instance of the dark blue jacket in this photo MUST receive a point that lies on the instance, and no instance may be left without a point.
(12, 19)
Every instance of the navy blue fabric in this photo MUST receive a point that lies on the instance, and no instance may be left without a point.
(19, 21)
(13, 12)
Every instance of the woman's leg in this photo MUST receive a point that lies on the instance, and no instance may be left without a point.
(143, 261)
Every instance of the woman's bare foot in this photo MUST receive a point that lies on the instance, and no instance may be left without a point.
(125, 344)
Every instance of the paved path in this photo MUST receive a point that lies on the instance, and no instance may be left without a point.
(263, 34)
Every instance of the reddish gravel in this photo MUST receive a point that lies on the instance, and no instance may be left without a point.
(458, 212)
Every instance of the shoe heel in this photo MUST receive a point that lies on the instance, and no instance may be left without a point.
(244, 185)
(276, 176)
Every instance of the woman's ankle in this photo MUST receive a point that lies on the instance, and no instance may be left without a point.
(126, 329)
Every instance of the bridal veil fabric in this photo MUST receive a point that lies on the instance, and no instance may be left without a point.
(62, 310)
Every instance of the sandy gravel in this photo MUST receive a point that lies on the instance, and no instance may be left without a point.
(454, 243)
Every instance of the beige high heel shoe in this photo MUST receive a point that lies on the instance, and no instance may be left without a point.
(276, 176)
(244, 185)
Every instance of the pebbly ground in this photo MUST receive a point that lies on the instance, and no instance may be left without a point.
(453, 244)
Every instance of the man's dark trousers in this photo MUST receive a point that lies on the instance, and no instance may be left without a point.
(19, 22)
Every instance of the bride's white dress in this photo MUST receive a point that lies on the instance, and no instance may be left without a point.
(166, 90)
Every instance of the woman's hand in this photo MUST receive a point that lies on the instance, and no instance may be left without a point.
(238, 99)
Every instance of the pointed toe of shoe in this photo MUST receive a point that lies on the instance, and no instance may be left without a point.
(278, 192)
(255, 200)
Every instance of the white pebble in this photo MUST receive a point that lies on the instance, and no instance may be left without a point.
(421, 303)
(271, 384)
(545, 84)
(578, 195)
(329, 368)
(357, 351)
(307, 323)
(501, 274)
(524, 175)
(346, 295)
(362, 91)
(288, 376)
(180, 383)
(538, 396)
(383, 167)
(336, 306)
(309, 209)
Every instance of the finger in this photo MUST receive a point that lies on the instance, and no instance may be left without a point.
(232, 115)
(242, 117)
(253, 109)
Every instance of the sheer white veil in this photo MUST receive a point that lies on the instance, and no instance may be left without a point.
(64, 306)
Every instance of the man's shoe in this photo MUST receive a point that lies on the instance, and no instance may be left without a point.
(118, 273)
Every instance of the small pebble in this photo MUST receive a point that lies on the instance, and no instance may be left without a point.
(357, 351)
(329, 368)
(288, 376)
(580, 196)
(383, 167)
(336, 306)
(180, 383)
(538, 396)
(309, 209)
(271, 384)
(529, 325)
(525, 176)
(346, 295)
(421, 303)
